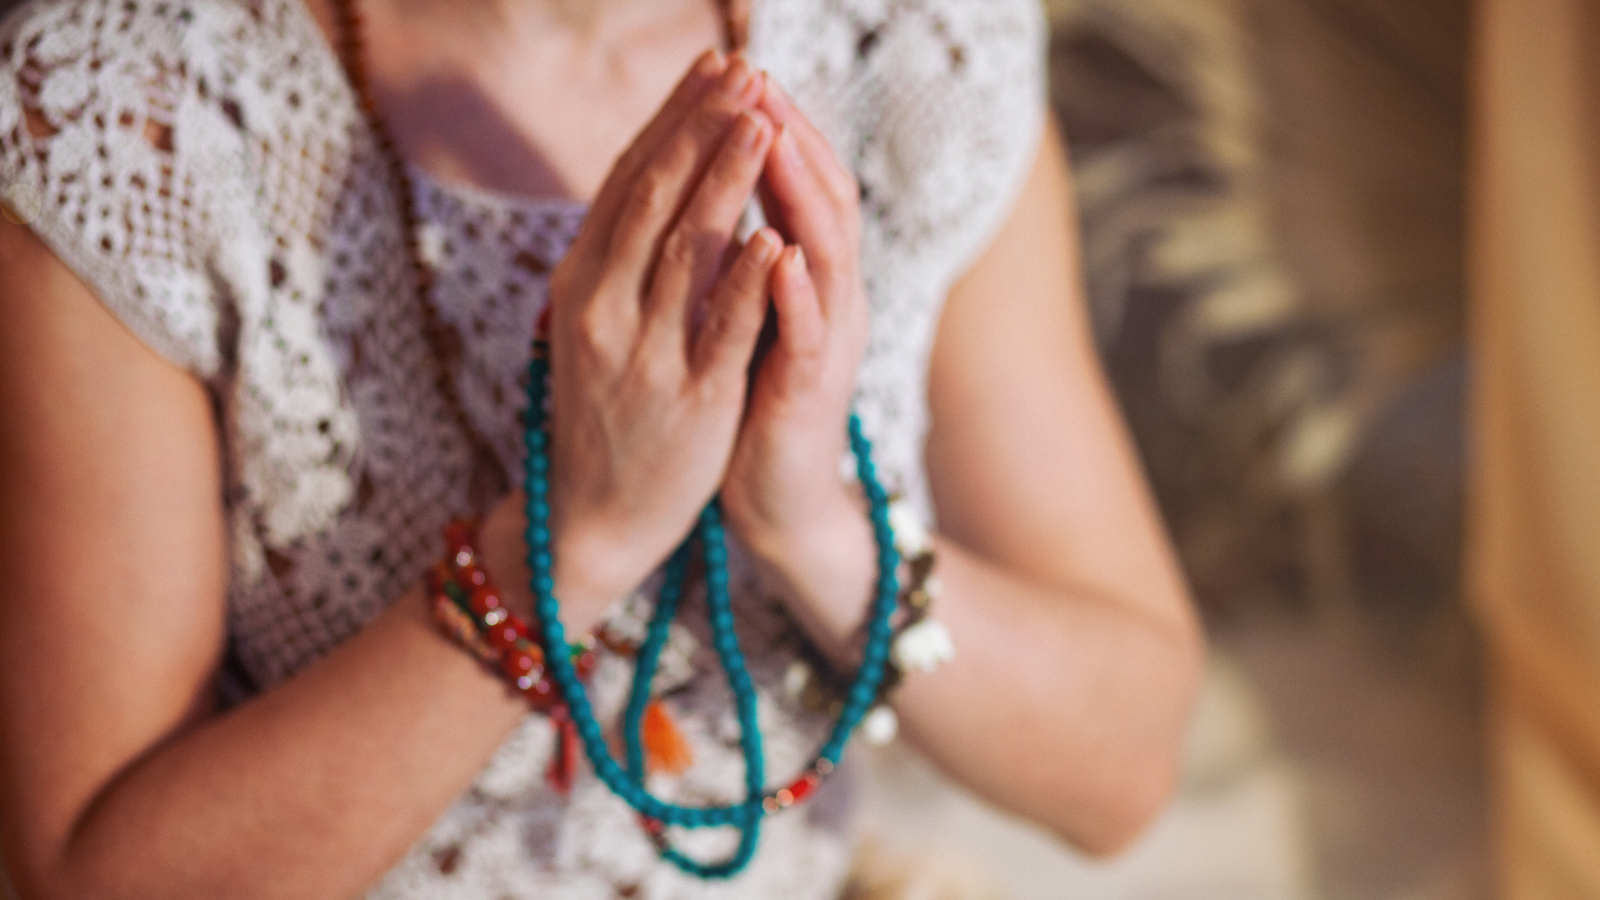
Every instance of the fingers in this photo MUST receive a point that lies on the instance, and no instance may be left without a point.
(663, 185)
(702, 76)
(733, 320)
(796, 360)
(694, 249)
(814, 147)
(813, 217)
(814, 197)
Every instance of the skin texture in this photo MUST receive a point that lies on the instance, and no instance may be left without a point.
(1078, 652)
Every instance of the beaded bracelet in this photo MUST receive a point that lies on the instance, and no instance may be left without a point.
(919, 642)
(469, 610)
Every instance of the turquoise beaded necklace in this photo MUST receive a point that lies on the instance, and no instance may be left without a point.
(628, 783)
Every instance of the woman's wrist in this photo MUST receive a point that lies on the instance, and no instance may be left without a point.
(822, 567)
(587, 582)
(593, 569)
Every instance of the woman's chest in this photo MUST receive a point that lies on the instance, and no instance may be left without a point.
(536, 100)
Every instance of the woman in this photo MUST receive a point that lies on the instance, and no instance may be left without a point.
(228, 459)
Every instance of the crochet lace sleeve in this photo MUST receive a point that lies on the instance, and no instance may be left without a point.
(184, 159)
(90, 98)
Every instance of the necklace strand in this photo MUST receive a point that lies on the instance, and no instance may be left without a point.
(352, 51)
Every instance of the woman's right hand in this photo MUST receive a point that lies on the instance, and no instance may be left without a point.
(651, 333)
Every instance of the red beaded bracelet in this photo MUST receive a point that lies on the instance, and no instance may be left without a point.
(469, 610)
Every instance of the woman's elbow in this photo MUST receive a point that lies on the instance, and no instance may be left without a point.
(1140, 798)
(47, 868)
(29, 878)
(1140, 773)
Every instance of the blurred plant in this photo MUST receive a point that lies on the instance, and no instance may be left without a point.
(1249, 398)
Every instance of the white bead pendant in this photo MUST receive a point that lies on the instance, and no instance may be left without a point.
(910, 535)
(880, 726)
(796, 679)
(923, 647)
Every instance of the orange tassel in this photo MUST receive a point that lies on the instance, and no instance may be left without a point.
(564, 763)
(665, 747)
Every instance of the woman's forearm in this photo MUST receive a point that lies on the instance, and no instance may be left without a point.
(310, 791)
(1065, 706)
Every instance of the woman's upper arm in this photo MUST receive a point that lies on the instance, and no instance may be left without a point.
(112, 550)
(1030, 464)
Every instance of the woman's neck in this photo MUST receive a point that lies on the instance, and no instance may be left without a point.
(533, 98)
(586, 20)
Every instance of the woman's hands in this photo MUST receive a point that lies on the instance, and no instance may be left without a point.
(783, 494)
(652, 334)
(785, 468)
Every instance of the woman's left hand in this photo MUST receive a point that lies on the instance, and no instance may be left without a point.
(1076, 640)
(783, 494)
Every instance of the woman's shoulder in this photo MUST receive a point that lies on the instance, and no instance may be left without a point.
(130, 134)
(130, 29)
(156, 67)
(140, 43)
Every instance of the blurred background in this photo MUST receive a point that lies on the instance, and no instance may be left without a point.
(1271, 201)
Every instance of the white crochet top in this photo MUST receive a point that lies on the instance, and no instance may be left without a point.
(202, 165)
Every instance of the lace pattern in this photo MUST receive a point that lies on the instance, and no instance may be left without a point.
(936, 106)
(205, 170)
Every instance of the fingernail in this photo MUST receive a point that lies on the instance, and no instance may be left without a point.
(737, 77)
(709, 63)
(765, 246)
(786, 145)
(797, 258)
(748, 131)
(776, 92)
